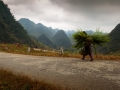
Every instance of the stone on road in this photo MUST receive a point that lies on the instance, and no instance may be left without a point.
(72, 72)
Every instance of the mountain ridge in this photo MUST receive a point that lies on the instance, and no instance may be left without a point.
(114, 44)
(46, 41)
(10, 30)
(60, 39)
(47, 32)
(35, 29)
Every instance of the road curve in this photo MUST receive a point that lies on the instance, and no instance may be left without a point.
(73, 72)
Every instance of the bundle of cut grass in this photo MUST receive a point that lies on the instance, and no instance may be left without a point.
(98, 38)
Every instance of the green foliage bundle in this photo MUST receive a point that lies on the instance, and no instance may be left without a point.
(98, 38)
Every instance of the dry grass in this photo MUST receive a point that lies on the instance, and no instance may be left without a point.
(11, 81)
(23, 49)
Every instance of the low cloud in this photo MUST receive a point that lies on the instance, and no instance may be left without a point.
(69, 14)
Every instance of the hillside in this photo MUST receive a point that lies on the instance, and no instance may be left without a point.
(35, 29)
(46, 41)
(47, 35)
(10, 30)
(114, 44)
(115, 39)
(60, 39)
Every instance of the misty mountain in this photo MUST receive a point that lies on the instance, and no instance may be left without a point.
(46, 41)
(89, 31)
(69, 32)
(60, 39)
(46, 34)
(36, 29)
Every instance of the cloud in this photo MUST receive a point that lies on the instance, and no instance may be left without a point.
(20, 2)
(69, 14)
(89, 7)
(91, 12)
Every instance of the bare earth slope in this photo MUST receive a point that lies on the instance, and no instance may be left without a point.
(73, 72)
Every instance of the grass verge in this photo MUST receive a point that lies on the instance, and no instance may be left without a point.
(11, 81)
(23, 49)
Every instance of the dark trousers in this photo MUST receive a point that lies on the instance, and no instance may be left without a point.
(90, 54)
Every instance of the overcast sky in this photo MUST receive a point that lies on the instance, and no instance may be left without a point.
(69, 14)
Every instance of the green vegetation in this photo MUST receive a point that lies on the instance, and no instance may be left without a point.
(98, 38)
(11, 81)
(10, 30)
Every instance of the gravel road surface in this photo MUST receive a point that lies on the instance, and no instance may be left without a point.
(70, 72)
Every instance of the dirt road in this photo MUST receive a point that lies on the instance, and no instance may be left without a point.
(73, 72)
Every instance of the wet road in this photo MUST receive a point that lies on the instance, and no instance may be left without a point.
(72, 72)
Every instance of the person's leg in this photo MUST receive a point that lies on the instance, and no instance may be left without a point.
(83, 56)
(90, 54)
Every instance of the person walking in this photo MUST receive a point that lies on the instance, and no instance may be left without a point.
(87, 50)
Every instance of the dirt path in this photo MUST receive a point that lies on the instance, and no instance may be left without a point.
(73, 72)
